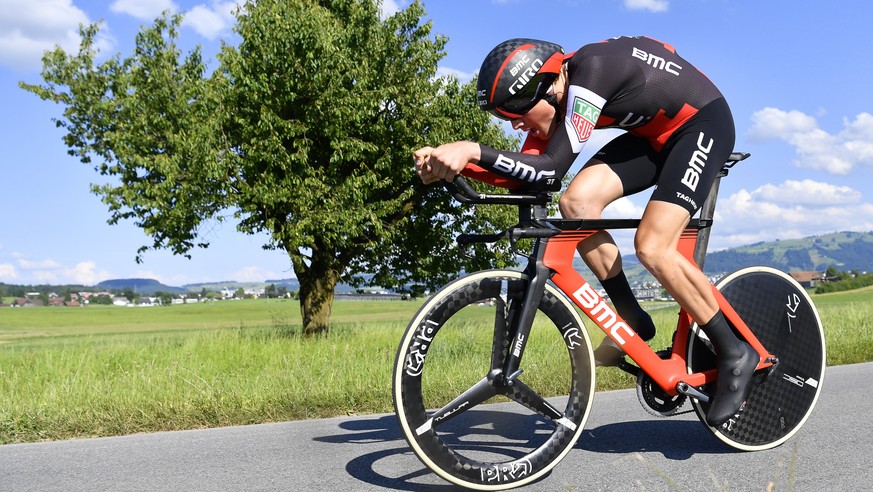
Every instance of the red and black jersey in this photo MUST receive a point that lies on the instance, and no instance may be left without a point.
(635, 83)
(648, 88)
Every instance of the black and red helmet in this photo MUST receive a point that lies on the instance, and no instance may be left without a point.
(516, 74)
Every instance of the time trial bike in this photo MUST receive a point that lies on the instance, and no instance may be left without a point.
(499, 334)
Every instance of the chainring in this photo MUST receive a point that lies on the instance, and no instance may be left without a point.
(653, 399)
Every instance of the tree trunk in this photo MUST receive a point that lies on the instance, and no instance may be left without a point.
(317, 282)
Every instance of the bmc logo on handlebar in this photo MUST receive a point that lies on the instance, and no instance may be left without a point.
(522, 171)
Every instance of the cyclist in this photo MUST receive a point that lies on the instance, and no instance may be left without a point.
(679, 132)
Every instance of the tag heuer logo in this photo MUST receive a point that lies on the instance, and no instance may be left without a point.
(584, 118)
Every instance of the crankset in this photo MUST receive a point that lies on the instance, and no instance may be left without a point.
(653, 399)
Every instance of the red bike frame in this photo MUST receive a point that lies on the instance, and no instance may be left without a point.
(667, 373)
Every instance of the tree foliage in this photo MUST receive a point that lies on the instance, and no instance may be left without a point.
(303, 132)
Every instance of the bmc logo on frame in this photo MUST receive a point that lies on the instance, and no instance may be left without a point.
(599, 311)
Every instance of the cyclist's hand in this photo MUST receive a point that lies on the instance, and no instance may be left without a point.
(446, 161)
(422, 167)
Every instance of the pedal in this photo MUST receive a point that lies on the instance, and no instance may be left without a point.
(772, 369)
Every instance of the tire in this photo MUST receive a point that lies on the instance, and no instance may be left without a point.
(447, 348)
(780, 313)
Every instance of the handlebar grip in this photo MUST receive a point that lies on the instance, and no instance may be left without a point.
(461, 189)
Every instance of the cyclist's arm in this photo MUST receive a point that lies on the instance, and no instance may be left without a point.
(549, 167)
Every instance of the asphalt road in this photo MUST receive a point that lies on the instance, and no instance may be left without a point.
(623, 449)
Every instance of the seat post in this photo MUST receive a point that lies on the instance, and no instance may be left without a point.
(707, 213)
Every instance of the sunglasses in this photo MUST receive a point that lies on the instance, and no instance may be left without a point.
(520, 103)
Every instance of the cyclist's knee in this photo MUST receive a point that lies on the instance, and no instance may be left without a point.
(579, 206)
(652, 251)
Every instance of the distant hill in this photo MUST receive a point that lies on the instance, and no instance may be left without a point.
(842, 250)
(231, 285)
(144, 286)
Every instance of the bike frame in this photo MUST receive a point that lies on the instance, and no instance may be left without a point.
(552, 259)
(557, 258)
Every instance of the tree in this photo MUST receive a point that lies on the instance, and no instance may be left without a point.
(270, 291)
(166, 298)
(304, 132)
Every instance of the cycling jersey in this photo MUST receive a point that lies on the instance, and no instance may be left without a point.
(634, 83)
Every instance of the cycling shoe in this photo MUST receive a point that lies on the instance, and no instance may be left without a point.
(732, 390)
(608, 354)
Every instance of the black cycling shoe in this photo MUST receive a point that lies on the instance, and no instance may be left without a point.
(608, 354)
(734, 376)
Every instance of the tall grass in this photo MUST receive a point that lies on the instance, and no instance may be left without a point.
(68, 373)
(97, 386)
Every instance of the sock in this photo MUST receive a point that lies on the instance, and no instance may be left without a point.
(722, 336)
(627, 306)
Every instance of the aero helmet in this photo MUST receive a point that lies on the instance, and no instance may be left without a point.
(516, 74)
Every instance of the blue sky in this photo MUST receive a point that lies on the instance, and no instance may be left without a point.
(796, 73)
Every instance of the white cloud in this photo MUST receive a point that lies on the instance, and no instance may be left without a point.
(389, 8)
(462, 77)
(623, 208)
(771, 123)
(28, 28)
(26, 264)
(836, 153)
(85, 273)
(213, 20)
(808, 192)
(49, 271)
(650, 5)
(147, 10)
(257, 274)
(44, 277)
(8, 272)
(792, 209)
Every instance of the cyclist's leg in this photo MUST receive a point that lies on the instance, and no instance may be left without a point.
(692, 159)
(624, 166)
(655, 243)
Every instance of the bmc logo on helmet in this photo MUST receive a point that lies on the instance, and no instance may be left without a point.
(526, 73)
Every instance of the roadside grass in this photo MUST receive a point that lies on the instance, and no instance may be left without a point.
(99, 371)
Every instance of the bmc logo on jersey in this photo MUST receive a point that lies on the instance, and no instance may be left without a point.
(522, 171)
(584, 118)
(657, 61)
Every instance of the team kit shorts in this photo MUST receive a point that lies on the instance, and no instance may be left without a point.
(685, 168)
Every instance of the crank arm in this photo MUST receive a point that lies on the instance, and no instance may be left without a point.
(688, 390)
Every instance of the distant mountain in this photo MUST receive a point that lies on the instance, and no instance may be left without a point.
(231, 285)
(291, 284)
(144, 286)
(842, 250)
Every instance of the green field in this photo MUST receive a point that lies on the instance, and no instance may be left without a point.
(97, 371)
